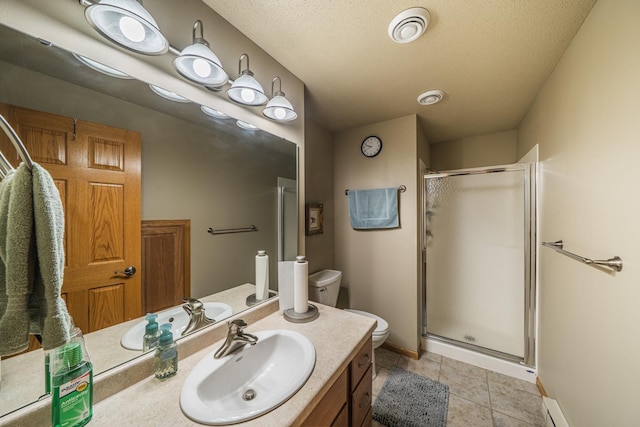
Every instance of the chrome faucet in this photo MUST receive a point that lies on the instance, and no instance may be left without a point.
(236, 338)
(197, 317)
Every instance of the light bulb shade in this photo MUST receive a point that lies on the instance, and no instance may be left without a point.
(213, 113)
(104, 69)
(200, 65)
(246, 90)
(167, 94)
(280, 109)
(128, 24)
(245, 125)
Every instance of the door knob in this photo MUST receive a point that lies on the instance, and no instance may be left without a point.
(129, 271)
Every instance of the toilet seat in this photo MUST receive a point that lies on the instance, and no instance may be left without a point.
(381, 329)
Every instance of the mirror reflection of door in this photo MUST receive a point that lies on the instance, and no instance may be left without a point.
(96, 168)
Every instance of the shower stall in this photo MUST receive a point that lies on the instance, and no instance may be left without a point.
(479, 260)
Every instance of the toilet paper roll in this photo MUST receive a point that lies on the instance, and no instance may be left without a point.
(262, 276)
(301, 285)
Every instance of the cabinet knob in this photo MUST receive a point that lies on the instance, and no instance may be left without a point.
(365, 400)
(365, 360)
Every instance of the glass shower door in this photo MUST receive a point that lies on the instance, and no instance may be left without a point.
(476, 258)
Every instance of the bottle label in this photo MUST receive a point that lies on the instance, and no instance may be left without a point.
(75, 400)
(169, 354)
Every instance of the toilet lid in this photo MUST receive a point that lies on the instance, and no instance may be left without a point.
(382, 327)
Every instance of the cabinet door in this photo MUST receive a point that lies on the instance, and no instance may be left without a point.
(96, 169)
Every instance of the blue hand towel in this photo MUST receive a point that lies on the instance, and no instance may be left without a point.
(377, 208)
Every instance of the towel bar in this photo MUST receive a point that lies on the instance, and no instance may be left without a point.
(614, 263)
(232, 230)
(401, 189)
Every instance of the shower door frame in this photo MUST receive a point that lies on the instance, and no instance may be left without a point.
(530, 257)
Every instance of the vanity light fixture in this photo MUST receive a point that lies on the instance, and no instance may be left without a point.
(246, 90)
(101, 68)
(167, 94)
(245, 125)
(279, 108)
(128, 24)
(213, 112)
(199, 64)
(430, 97)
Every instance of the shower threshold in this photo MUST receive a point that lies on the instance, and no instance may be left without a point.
(496, 361)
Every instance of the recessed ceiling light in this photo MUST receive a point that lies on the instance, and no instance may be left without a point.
(409, 25)
(430, 97)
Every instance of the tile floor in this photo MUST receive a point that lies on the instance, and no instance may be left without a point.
(477, 397)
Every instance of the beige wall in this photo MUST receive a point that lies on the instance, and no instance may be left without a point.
(586, 122)
(319, 189)
(379, 266)
(483, 150)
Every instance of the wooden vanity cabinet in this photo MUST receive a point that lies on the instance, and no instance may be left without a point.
(348, 401)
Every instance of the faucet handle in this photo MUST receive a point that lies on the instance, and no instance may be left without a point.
(236, 326)
(193, 304)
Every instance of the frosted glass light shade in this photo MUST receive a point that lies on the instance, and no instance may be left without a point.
(167, 94)
(280, 109)
(200, 65)
(128, 24)
(101, 68)
(213, 112)
(246, 90)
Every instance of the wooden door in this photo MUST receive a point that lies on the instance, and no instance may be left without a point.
(97, 171)
(166, 263)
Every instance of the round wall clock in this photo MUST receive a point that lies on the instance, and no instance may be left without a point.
(371, 146)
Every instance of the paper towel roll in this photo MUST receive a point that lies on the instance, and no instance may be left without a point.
(285, 284)
(300, 285)
(262, 276)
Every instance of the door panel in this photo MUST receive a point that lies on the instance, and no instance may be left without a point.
(96, 168)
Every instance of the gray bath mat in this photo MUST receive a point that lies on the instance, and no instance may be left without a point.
(411, 400)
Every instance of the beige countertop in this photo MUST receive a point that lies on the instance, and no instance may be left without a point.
(23, 376)
(131, 395)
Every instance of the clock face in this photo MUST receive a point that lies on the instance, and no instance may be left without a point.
(371, 146)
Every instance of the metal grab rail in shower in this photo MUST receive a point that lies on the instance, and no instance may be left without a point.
(614, 263)
(232, 230)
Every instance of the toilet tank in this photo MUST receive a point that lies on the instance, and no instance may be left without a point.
(324, 287)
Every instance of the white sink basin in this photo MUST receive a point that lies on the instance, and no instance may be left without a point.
(272, 370)
(179, 319)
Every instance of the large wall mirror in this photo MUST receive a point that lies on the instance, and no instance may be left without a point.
(205, 171)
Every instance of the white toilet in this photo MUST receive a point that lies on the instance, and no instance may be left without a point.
(324, 287)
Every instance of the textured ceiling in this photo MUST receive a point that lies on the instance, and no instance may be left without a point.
(489, 56)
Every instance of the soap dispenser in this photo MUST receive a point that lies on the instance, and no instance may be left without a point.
(166, 357)
(151, 333)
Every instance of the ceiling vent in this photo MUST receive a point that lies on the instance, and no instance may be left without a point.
(409, 25)
(431, 97)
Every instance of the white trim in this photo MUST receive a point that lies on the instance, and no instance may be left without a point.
(504, 367)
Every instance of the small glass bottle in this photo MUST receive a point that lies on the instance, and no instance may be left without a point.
(151, 333)
(166, 357)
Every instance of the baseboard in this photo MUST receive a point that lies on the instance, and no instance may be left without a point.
(401, 350)
(541, 389)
